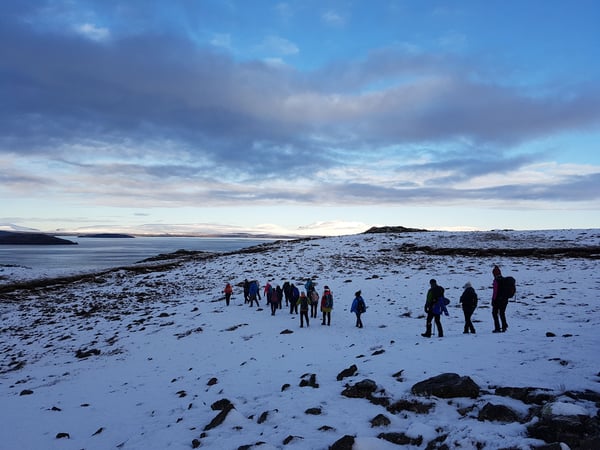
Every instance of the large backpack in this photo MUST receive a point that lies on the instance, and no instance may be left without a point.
(328, 300)
(439, 306)
(508, 287)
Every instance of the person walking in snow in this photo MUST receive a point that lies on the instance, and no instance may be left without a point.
(468, 300)
(434, 307)
(499, 302)
(303, 300)
(279, 296)
(295, 295)
(246, 291)
(326, 305)
(253, 293)
(287, 292)
(358, 308)
(314, 303)
(228, 291)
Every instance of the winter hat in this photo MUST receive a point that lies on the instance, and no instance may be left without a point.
(326, 288)
(357, 293)
(496, 271)
(432, 281)
(467, 285)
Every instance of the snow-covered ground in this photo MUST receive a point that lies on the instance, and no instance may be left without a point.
(135, 359)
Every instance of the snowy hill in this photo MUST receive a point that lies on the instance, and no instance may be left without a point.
(152, 358)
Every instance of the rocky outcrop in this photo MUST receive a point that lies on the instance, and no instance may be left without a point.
(447, 385)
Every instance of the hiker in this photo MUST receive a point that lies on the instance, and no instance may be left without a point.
(326, 305)
(228, 291)
(314, 303)
(358, 307)
(268, 292)
(295, 295)
(499, 302)
(309, 286)
(303, 300)
(434, 307)
(279, 296)
(468, 299)
(253, 293)
(272, 298)
(287, 292)
(246, 291)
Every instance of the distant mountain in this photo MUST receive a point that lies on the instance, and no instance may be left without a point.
(13, 227)
(14, 238)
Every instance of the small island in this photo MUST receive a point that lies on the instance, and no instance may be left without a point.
(107, 235)
(23, 238)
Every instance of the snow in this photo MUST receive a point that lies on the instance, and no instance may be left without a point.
(163, 335)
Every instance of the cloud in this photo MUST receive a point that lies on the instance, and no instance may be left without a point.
(279, 46)
(226, 131)
(333, 18)
(93, 32)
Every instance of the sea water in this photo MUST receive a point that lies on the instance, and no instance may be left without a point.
(103, 253)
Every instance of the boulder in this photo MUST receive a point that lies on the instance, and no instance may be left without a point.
(362, 389)
(344, 443)
(498, 413)
(447, 385)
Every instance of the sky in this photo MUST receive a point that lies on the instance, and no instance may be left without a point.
(323, 117)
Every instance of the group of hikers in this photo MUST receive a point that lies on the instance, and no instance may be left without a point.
(308, 300)
(298, 301)
(503, 288)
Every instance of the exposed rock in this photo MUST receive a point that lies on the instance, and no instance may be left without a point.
(313, 411)
(344, 443)
(447, 385)
(362, 389)
(411, 406)
(220, 405)
(498, 413)
(349, 372)
(568, 423)
(63, 436)
(528, 395)
(310, 382)
(263, 417)
(290, 438)
(86, 353)
(212, 381)
(26, 392)
(398, 376)
(400, 439)
(219, 418)
(195, 443)
(393, 229)
(380, 421)
(286, 331)
(285, 387)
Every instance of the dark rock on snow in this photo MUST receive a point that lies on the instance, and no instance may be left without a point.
(362, 389)
(349, 372)
(344, 443)
(447, 385)
(498, 413)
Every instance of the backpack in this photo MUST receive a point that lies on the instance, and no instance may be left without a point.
(328, 300)
(361, 306)
(508, 287)
(439, 306)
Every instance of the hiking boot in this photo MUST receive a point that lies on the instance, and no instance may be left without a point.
(426, 334)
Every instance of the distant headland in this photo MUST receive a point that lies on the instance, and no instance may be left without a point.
(27, 238)
(107, 235)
